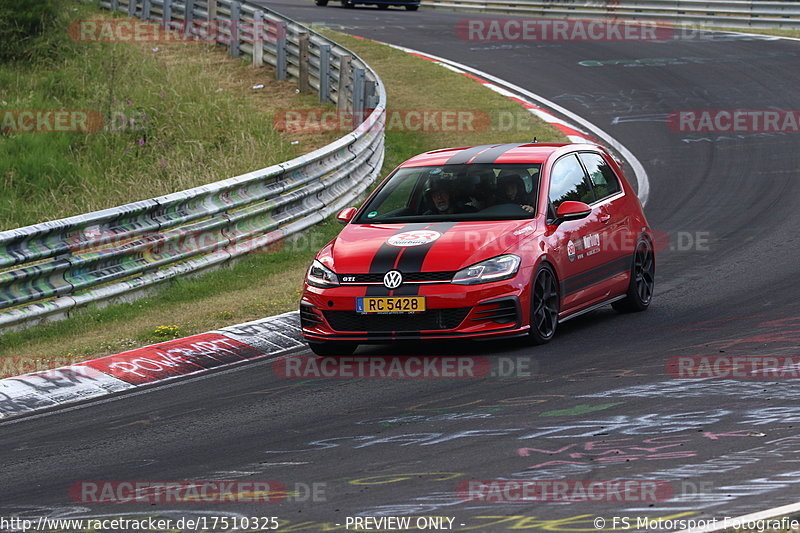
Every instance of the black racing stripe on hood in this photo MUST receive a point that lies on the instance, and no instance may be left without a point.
(385, 258)
(465, 156)
(412, 258)
(492, 154)
(386, 255)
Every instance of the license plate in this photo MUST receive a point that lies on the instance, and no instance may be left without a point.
(390, 305)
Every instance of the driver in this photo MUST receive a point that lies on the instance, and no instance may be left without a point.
(440, 192)
(511, 190)
(443, 197)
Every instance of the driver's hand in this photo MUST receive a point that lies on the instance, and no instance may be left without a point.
(528, 208)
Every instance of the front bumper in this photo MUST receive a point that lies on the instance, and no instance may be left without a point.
(453, 311)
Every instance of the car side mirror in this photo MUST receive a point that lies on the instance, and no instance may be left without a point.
(346, 215)
(570, 210)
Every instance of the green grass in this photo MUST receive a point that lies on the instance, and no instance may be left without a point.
(270, 283)
(175, 116)
(260, 285)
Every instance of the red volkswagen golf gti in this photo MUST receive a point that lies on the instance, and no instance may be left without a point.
(481, 242)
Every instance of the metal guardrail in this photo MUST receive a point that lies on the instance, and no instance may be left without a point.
(714, 13)
(48, 269)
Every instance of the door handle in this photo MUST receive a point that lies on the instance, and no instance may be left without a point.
(604, 218)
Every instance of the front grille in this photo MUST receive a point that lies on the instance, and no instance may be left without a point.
(434, 319)
(429, 276)
(408, 277)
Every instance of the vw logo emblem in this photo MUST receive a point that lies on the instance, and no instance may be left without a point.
(393, 279)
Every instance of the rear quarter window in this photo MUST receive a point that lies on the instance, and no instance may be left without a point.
(604, 181)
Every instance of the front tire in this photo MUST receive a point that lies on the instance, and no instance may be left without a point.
(640, 288)
(348, 4)
(383, 6)
(322, 3)
(545, 305)
(412, 8)
(333, 348)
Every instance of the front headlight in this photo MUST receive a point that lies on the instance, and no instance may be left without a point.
(495, 269)
(321, 276)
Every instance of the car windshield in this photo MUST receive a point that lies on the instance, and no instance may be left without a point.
(455, 192)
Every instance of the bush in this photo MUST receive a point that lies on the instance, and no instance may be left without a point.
(31, 29)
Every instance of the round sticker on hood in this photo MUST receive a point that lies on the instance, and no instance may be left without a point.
(413, 238)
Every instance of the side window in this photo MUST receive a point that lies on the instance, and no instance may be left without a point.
(568, 182)
(604, 180)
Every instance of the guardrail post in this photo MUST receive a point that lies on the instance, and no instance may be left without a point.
(211, 9)
(371, 95)
(342, 100)
(304, 85)
(167, 14)
(132, 8)
(114, 5)
(188, 17)
(280, 46)
(236, 11)
(324, 73)
(358, 96)
(146, 10)
(258, 39)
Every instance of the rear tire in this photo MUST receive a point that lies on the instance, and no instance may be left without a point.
(322, 3)
(383, 6)
(412, 8)
(333, 348)
(640, 288)
(545, 305)
(348, 4)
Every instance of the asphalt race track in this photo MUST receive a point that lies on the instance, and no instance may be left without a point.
(598, 403)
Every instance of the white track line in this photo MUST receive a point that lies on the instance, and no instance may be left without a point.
(644, 192)
(752, 517)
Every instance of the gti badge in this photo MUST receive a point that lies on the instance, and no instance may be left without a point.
(393, 279)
